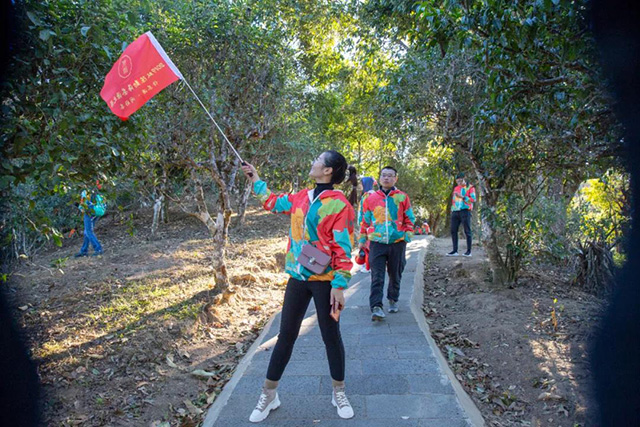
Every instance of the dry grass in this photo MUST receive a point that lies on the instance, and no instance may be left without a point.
(116, 337)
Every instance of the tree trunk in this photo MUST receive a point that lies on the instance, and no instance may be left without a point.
(220, 251)
(296, 183)
(488, 235)
(232, 176)
(159, 205)
(203, 212)
(490, 244)
(219, 230)
(157, 212)
(434, 222)
(561, 191)
(164, 213)
(447, 212)
(242, 206)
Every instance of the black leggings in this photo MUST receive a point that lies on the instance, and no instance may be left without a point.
(296, 300)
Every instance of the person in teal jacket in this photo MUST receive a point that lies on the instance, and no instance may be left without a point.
(387, 222)
(86, 206)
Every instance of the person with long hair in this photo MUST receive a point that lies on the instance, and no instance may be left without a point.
(353, 180)
(322, 220)
(367, 189)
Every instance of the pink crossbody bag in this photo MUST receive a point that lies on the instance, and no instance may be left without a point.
(313, 259)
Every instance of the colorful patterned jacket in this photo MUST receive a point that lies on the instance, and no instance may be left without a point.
(330, 223)
(387, 219)
(466, 201)
(86, 203)
(361, 206)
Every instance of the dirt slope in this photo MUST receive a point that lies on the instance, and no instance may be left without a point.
(117, 337)
(520, 353)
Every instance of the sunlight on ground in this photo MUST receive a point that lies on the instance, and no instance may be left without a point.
(552, 351)
(130, 327)
(177, 292)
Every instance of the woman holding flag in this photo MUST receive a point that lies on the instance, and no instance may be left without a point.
(319, 262)
(322, 223)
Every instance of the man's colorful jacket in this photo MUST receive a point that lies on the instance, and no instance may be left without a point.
(466, 201)
(330, 223)
(387, 218)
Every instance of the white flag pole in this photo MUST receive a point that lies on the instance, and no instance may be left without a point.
(175, 69)
(214, 122)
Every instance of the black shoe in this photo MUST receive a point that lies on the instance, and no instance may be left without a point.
(453, 253)
(80, 254)
(468, 253)
(98, 253)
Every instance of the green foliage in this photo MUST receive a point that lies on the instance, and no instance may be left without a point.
(59, 263)
(509, 92)
(427, 177)
(131, 227)
(55, 127)
(515, 90)
(33, 219)
(57, 134)
(600, 210)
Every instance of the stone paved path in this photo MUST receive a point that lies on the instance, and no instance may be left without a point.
(393, 375)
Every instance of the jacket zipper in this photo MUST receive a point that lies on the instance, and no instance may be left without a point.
(386, 219)
(304, 223)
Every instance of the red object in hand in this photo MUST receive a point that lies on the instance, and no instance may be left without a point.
(141, 72)
(361, 257)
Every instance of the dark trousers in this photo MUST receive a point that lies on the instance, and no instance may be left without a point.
(464, 217)
(383, 258)
(296, 300)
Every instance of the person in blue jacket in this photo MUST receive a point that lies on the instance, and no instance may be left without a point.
(88, 207)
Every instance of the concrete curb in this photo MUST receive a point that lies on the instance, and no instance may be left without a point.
(223, 398)
(417, 299)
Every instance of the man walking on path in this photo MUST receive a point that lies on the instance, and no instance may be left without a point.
(464, 196)
(387, 222)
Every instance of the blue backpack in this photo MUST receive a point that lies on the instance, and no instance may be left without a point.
(99, 205)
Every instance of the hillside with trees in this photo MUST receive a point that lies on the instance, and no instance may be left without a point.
(510, 93)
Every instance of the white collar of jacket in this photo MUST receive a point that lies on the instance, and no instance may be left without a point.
(322, 195)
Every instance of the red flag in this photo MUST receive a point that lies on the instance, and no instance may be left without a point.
(141, 72)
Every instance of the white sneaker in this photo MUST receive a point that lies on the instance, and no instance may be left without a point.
(268, 401)
(393, 306)
(365, 270)
(340, 401)
(377, 314)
